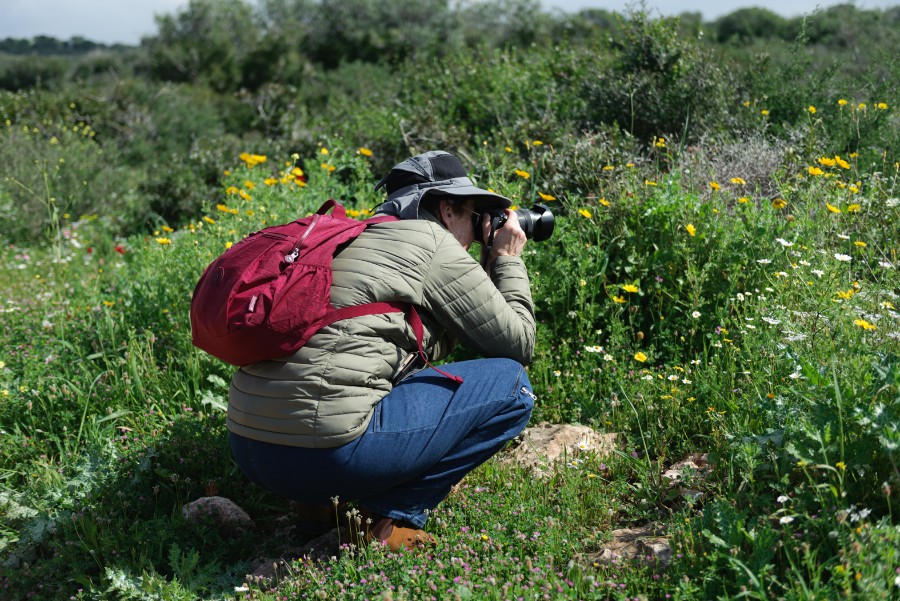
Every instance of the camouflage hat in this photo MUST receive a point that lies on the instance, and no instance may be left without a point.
(436, 173)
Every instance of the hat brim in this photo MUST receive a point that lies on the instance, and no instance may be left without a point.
(405, 202)
(483, 198)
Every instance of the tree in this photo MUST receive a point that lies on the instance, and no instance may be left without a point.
(746, 24)
(207, 42)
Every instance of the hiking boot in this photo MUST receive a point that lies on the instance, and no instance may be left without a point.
(396, 537)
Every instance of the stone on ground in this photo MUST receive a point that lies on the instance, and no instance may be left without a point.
(540, 447)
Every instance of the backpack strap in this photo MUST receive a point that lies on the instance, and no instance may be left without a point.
(419, 330)
(415, 322)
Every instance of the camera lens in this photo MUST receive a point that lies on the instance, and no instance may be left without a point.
(537, 222)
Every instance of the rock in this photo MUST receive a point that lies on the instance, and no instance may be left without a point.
(696, 465)
(645, 543)
(545, 444)
(230, 519)
(692, 468)
(321, 548)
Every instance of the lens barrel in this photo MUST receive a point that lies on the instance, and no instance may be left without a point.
(537, 222)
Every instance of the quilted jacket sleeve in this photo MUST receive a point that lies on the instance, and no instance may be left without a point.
(494, 316)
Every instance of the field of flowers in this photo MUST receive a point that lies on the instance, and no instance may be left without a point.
(735, 299)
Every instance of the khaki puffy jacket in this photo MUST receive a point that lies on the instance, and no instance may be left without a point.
(323, 395)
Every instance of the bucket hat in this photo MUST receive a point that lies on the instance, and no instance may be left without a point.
(435, 172)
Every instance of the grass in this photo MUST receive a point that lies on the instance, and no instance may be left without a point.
(690, 300)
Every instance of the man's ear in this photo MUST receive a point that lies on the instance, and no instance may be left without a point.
(445, 211)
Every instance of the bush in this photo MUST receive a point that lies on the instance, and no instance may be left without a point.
(655, 83)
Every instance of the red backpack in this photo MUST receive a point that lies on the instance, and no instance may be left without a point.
(268, 294)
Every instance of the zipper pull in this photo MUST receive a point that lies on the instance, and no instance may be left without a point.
(293, 256)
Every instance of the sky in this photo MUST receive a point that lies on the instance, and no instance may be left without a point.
(126, 21)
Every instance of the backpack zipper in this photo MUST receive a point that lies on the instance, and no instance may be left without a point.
(292, 256)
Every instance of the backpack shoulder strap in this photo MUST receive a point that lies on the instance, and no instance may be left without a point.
(412, 316)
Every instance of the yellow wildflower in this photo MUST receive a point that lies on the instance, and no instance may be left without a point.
(584, 213)
(660, 143)
(854, 188)
(811, 109)
(832, 208)
(691, 229)
(881, 105)
(270, 181)
(537, 143)
(109, 303)
(815, 171)
(840, 465)
(619, 299)
(164, 241)
(861, 106)
(252, 159)
(231, 190)
(647, 182)
(864, 324)
(604, 202)
(738, 181)
(744, 199)
(842, 102)
(714, 185)
(508, 149)
(324, 151)
(546, 196)
(846, 294)
(827, 161)
(854, 208)
(630, 288)
(167, 229)
(364, 151)
(522, 174)
(244, 195)
(764, 113)
(639, 356)
(228, 245)
(225, 209)
(608, 168)
(328, 168)
(779, 203)
(860, 244)
(208, 219)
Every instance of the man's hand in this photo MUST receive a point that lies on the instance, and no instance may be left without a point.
(509, 240)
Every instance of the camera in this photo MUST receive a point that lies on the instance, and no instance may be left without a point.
(537, 223)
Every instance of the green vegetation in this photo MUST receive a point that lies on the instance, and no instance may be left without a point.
(723, 280)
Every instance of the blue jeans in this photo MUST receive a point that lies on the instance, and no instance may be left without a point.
(424, 437)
